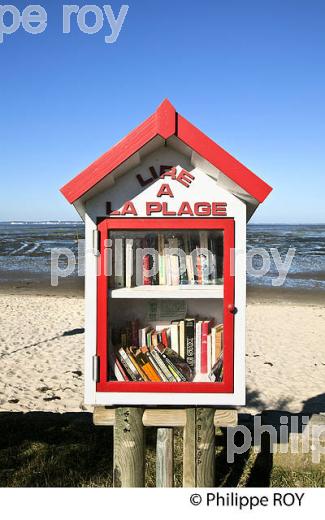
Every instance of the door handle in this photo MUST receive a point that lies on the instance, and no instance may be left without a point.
(232, 309)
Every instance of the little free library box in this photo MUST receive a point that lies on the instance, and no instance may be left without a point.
(165, 212)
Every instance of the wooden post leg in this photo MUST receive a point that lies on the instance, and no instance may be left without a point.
(205, 444)
(189, 449)
(128, 448)
(165, 457)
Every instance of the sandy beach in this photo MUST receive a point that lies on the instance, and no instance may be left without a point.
(41, 353)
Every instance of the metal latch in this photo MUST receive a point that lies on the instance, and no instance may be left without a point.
(96, 368)
(96, 242)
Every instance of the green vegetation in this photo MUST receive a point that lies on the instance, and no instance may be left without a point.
(65, 450)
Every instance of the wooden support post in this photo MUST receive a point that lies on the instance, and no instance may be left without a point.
(199, 448)
(189, 449)
(205, 447)
(128, 448)
(165, 458)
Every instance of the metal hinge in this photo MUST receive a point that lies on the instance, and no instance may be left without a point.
(96, 369)
(96, 242)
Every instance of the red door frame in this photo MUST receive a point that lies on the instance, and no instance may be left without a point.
(114, 223)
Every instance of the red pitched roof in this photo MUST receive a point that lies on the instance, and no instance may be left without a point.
(166, 122)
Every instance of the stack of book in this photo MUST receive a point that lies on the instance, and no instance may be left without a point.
(184, 350)
(173, 260)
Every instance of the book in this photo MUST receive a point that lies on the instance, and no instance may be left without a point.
(175, 363)
(174, 339)
(199, 273)
(210, 357)
(183, 279)
(213, 270)
(128, 366)
(168, 270)
(190, 342)
(164, 337)
(161, 259)
(217, 341)
(198, 328)
(124, 338)
(128, 262)
(137, 262)
(183, 259)
(219, 253)
(146, 264)
(135, 361)
(143, 336)
(216, 374)
(204, 247)
(184, 350)
(119, 371)
(188, 247)
(159, 360)
(181, 331)
(147, 366)
(174, 261)
(205, 331)
(145, 355)
(135, 333)
(119, 263)
(157, 366)
(152, 244)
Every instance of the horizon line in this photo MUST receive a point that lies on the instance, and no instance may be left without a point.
(57, 221)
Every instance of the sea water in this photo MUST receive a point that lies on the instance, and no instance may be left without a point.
(25, 250)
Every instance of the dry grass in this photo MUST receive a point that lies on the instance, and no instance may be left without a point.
(65, 450)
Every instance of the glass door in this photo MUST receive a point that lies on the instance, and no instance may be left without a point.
(165, 300)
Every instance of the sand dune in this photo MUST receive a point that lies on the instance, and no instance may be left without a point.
(41, 354)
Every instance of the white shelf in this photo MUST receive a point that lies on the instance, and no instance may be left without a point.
(169, 291)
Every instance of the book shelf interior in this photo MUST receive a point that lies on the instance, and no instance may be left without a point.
(165, 306)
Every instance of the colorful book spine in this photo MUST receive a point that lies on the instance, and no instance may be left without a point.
(128, 262)
(135, 333)
(189, 260)
(198, 328)
(119, 371)
(179, 352)
(174, 261)
(199, 274)
(219, 253)
(138, 367)
(206, 328)
(167, 373)
(183, 279)
(156, 366)
(119, 264)
(190, 342)
(213, 274)
(161, 259)
(219, 341)
(182, 338)
(174, 339)
(146, 270)
(174, 371)
(148, 368)
(210, 356)
(204, 256)
(216, 374)
(128, 366)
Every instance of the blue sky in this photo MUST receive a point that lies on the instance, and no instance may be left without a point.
(249, 73)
